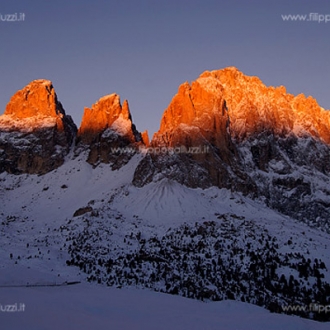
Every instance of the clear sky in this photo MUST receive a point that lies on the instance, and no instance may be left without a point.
(144, 49)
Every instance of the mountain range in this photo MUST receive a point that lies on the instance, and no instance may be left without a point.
(230, 199)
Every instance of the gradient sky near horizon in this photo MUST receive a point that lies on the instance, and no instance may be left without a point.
(144, 49)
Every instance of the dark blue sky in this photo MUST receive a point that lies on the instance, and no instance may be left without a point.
(143, 50)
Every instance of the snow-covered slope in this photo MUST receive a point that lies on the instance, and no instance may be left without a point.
(91, 307)
(81, 223)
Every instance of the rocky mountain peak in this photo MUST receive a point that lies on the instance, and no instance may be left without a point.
(251, 106)
(108, 126)
(36, 99)
(32, 105)
(36, 134)
(229, 130)
(107, 113)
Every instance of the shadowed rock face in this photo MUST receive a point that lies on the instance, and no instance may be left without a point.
(108, 133)
(239, 134)
(35, 132)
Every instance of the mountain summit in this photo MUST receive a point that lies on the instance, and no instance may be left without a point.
(36, 134)
(250, 107)
(229, 130)
(107, 113)
(37, 99)
(106, 127)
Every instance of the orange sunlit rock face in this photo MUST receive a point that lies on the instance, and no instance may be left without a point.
(36, 99)
(33, 107)
(228, 101)
(145, 138)
(107, 112)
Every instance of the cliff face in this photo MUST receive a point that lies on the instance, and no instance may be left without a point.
(219, 97)
(229, 130)
(108, 132)
(254, 108)
(107, 113)
(35, 132)
(195, 129)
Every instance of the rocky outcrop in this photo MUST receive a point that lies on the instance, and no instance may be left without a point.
(35, 132)
(229, 130)
(145, 138)
(108, 133)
